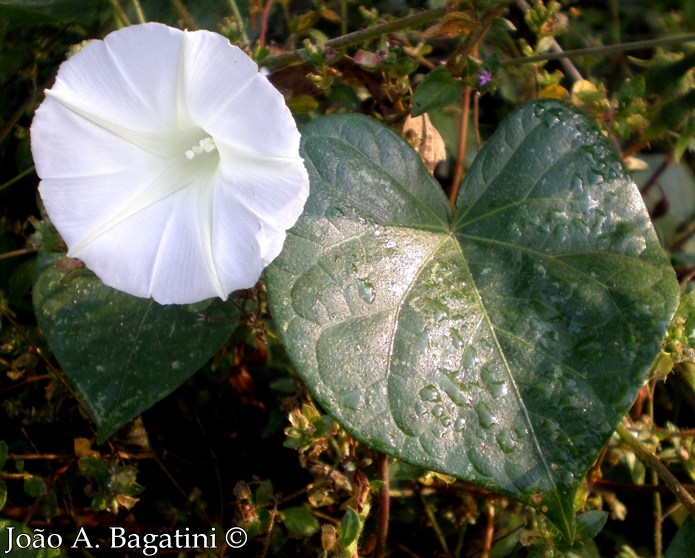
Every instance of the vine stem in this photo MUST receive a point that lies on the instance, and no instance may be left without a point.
(427, 16)
(605, 49)
(648, 458)
(138, 11)
(461, 152)
(357, 37)
(384, 506)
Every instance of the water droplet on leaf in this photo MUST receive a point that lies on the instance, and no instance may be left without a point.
(430, 394)
(485, 415)
(366, 291)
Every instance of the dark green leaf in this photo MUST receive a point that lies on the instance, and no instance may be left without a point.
(94, 469)
(438, 89)
(590, 524)
(34, 486)
(122, 353)
(299, 521)
(49, 505)
(684, 541)
(502, 345)
(3, 454)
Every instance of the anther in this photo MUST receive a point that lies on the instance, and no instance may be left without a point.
(205, 145)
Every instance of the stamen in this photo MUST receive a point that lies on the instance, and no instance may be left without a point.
(205, 145)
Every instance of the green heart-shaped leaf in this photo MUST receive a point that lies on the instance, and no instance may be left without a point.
(122, 353)
(501, 345)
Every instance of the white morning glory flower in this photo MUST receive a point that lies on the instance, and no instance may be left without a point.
(168, 163)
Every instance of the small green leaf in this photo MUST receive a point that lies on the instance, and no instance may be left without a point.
(439, 88)
(299, 521)
(264, 493)
(34, 486)
(122, 353)
(590, 524)
(49, 505)
(350, 527)
(500, 345)
(94, 469)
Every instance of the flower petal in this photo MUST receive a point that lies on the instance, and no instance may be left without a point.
(168, 163)
(65, 144)
(129, 78)
(244, 110)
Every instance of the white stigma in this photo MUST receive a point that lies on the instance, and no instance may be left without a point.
(205, 145)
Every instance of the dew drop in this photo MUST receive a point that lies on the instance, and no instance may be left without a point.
(494, 384)
(485, 416)
(429, 393)
(440, 310)
(366, 291)
(459, 424)
(551, 120)
(456, 339)
(506, 442)
(468, 359)
(438, 411)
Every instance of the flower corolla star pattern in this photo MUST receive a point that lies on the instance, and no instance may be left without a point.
(168, 163)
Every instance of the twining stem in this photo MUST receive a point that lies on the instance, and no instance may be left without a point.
(184, 14)
(601, 50)
(648, 458)
(264, 23)
(239, 20)
(435, 525)
(658, 516)
(120, 12)
(658, 519)
(422, 18)
(384, 506)
(461, 153)
(357, 37)
(18, 252)
(138, 11)
(11, 181)
(489, 531)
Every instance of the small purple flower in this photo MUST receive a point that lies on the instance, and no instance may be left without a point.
(484, 78)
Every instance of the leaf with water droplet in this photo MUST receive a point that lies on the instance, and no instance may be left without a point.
(501, 344)
(123, 353)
